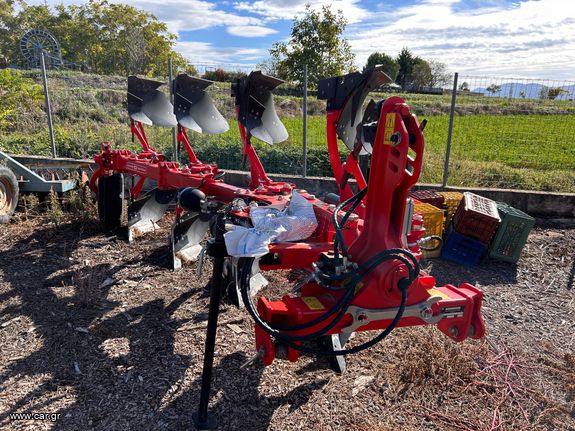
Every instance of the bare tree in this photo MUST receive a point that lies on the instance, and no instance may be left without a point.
(440, 76)
(555, 92)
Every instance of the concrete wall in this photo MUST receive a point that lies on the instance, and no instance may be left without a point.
(536, 204)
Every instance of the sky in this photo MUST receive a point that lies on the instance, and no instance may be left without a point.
(523, 39)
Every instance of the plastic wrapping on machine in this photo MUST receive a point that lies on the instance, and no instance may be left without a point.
(294, 223)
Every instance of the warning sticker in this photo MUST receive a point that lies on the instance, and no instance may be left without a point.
(389, 128)
(435, 292)
(312, 302)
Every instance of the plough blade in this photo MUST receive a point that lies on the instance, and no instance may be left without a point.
(231, 273)
(256, 107)
(187, 233)
(145, 212)
(147, 104)
(194, 108)
(351, 102)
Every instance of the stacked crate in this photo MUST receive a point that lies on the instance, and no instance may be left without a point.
(433, 224)
(477, 217)
(428, 196)
(473, 227)
(511, 235)
(451, 201)
(462, 249)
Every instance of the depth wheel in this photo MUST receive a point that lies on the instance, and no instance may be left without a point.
(8, 194)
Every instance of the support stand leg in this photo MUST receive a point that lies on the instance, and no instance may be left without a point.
(203, 420)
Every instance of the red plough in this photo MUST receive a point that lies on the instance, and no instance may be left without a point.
(362, 260)
(361, 263)
(188, 185)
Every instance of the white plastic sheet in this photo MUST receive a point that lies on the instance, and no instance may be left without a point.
(294, 223)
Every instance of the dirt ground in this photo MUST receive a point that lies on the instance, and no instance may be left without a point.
(101, 332)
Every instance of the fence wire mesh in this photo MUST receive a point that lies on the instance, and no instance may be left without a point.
(512, 133)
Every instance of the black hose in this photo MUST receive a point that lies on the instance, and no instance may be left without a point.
(290, 343)
(338, 240)
(343, 303)
(340, 307)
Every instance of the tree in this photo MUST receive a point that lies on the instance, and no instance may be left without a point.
(390, 66)
(406, 61)
(269, 67)
(413, 71)
(464, 86)
(421, 75)
(494, 88)
(18, 95)
(555, 92)
(316, 40)
(220, 75)
(440, 76)
(6, 18)
(106, 38)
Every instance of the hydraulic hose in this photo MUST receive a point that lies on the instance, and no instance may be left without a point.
(291, 342)
(338, 240)
(343, 303)
(340, 308)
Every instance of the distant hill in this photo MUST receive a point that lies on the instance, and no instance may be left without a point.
(517, 90)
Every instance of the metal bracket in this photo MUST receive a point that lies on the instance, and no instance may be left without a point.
(364, 316)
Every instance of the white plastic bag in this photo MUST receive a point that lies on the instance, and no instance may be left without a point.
(296, 222)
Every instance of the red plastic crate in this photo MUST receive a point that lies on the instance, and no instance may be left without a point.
(477, 217)
(428, 196)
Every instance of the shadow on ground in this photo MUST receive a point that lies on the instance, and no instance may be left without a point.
(125, 391)
(489, 272)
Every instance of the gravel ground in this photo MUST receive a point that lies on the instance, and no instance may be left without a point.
(102, 333)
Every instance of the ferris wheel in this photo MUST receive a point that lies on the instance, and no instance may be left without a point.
(34, 41)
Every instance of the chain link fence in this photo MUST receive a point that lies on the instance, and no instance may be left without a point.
(512, 133)
(505, 132)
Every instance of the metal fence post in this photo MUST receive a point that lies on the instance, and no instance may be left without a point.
(174, 141)
(450, 131)
(47, 102)
(304, 137)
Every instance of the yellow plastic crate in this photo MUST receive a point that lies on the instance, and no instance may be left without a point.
(452, 201)
(432, 218)
(433, 224)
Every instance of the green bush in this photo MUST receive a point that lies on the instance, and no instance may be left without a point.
(17, 96)
(278, 159)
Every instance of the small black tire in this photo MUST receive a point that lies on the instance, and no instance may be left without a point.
(9, 191)
(110, 200)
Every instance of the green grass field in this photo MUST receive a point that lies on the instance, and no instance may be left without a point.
(511, 151)
(528, 151)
